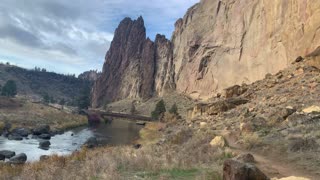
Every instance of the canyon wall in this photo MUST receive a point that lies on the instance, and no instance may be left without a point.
(217, 44)
(220, 43)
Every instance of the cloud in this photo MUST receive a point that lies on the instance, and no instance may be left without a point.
(73, 36)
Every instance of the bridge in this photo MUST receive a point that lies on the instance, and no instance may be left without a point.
(96, 115)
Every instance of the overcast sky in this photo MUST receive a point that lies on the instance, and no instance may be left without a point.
(72, 36)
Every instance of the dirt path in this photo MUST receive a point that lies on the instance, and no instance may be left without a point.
(271, 166)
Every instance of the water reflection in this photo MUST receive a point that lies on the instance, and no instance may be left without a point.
(116, 132)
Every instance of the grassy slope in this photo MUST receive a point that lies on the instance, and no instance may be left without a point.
(22, 113)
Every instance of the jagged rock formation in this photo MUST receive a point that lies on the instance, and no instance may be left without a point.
(89, 75)
(217, 44)
(135, 67)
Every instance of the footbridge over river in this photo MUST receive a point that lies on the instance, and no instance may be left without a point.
(97, 115)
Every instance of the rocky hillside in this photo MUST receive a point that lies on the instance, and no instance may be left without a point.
(215, 45)
(276, 118)
(35, 84)
(89, 75)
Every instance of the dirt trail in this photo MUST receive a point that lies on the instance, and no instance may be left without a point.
(271, 166)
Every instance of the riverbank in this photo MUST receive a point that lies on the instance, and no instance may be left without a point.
(17, 112)
(171, 159)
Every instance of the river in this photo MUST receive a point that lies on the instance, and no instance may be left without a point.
(117, 132)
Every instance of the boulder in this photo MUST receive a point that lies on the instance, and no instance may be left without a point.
(311, 109)
(44, 145)
(236, 170)
(44, 129)
(45, 136)
(2, 157)
(203, 125)
(246, 158)
(302, 144)
(92, 142)
(235, 91)
(15, 137)
(141, 123)
(137, 146)
(292, 178)
(218, 141)
(24, 132)
(44, 157)
(7, 154)
(18, 159)
(299, 59)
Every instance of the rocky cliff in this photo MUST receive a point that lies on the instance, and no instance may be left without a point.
(135, 67)
(89, 75)
(217, 44)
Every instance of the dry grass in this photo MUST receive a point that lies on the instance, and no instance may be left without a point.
(193, 159)
(30, 114)
(2, 124)
(151, 134)
(251, 140)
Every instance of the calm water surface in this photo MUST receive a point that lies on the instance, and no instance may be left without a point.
(117, 132)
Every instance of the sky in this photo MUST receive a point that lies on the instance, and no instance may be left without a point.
(73, 36)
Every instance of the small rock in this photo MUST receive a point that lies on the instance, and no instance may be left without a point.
(2, 157)
(246, 158)
(18, 159)
(45, 136)
(44, 157)
(299, 59)
(15, 137)
(44, 145)
(203, 125)
(137, 146)
(24, 132)
(141, 123)
(311, 109)
(236, 170)
(292, 178)
(7, 154)
(45, 129)
(218, 141)
(92, 142)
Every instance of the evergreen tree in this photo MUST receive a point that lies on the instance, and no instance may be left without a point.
(159, 110)
(174, 109)
(9, 89)
(46, 98)
(62, 102)
(84, 99)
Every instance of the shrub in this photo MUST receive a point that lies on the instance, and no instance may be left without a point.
(9, 89)
(159, 110)
(174, 109)
(133, 109)
(251, 140)
(46, 98)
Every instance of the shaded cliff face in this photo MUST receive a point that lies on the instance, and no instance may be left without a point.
(135, 67)
(220, 43)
